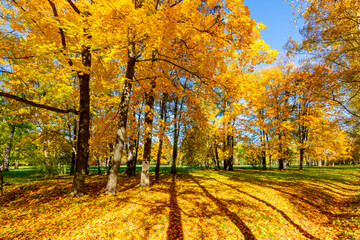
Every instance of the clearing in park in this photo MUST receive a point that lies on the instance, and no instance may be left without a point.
(317, 203)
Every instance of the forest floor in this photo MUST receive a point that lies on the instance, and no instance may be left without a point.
(317, 203)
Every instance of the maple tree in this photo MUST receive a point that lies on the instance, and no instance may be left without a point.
(331, 37)
(123, 81)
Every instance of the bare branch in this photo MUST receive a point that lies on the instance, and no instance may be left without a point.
(74, 6)
(38, 105)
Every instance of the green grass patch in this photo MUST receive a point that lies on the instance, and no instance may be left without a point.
(316, 203)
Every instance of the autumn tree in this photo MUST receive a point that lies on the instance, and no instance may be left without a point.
(331, 38)
(56, 53)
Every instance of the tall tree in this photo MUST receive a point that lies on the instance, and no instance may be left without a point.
(149, 115)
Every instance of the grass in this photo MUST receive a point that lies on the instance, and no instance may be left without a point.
(317, 203)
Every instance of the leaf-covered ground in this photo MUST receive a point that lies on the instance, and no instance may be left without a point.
(318, 203)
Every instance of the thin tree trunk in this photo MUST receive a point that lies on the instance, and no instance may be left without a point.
(149, 98)
(99, 167)
(137, 139)
(110, 160)
(281, 159)
(158, 157)
(121, 132)
(1, 182)
(225, 167)
(131, 163)
(7, 149)
(87, 164)
(73, 153)
(230, 146)
(175, 143)
(131, 158)
(217, 156)
(263, 157)
(263, 153)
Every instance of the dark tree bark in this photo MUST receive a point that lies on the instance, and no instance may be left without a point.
(84, 125)
(138, 138)
(263, 157)
(121, 132)
(1, 181)
(281, 159)
(302, 150)
(31, 103)
(163, 117)
(225, 167)
(216, 156)
(131, 162)
(7, 150)
(176, 138)
(133, 141)
(231, 158)
(263, 153)
(87, 164)
(99, 167)
(149, 98)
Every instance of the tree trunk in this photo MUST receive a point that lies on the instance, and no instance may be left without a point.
(121, 132)
(7, 150)
(163, 118)
(158, 160)
(281, 159)
(175, 143)
(216, 156)
(99, 167)
(111, 149)
(133, 142)
(286, 163)
(281, 163)
(73, 153)
(1, 181)
(131, 163)
(263, 157)
(145, 181)
(82, 147)
(230, 143)
(302, 150)
(175, 153)
(87, 164)
(137, 139)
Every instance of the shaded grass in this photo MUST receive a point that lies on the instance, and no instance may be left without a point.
(317, 203)
(24, 174)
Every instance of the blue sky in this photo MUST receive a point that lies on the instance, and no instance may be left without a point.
(278, 17)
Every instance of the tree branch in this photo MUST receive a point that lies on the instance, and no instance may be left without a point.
(74, 7)
(38, 105)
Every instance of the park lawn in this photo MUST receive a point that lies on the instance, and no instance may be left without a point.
(317, 203)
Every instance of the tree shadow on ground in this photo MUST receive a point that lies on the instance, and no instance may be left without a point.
(245, 230)
(282, 213)
(175, 229)
(312, 194)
